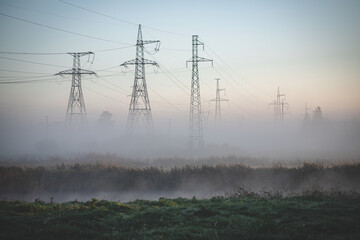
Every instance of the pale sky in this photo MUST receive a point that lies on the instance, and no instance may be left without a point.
(310, 49)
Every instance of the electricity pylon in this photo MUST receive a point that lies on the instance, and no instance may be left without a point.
(306, 121)
(76, 111)
(279, 105)
(139, 104)
(196, 140)
(217, 100)
(307, 115)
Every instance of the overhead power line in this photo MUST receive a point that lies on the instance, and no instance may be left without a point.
(32, 53)
(48, 80)
(122, 20)
(163, 98)
(60, 53)
(171, 76)
(4, 78)
(15, 71)
(26, 61)
(98, 13)
(236, 73)
(106, 96)
(62, 30)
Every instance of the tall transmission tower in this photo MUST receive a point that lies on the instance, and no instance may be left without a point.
(306, 120)
(196, 140)
(218, 100)
(140, 104)
(307, 115)
(76, 111)
(279, 107)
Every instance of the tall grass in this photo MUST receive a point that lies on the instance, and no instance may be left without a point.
(91, 178)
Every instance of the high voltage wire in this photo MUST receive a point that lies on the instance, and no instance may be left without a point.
(23, 77)
(114, 99)
(122, 20)
(175, 49)
(165, 99)
(108, 68)
(123, 90)
(171, 76)
(216, 55)
(230, 77)
(33, 53)
(15, 71)
(114, 49)
(103, 77)
(98, 13)
(28, 81)
(233, 102)
(44, 64)
(62, 30)
(60, 53)
(56, 15)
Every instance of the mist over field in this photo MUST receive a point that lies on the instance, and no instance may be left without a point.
(255, 138)
(100, 161)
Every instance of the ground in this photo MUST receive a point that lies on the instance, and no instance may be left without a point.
(313, 216)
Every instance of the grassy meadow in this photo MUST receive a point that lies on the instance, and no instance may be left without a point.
(242, 216)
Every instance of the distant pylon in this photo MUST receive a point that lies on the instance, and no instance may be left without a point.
(307, 115)
(76, 111)
(139, 103)
(196, 140)
(279, 108)
(306, 121)
(217, 100)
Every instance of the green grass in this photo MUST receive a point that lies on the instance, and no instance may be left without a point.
(238, 217)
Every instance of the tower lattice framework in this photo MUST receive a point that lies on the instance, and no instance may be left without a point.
(196, 140)
(218, 100)
(279, 108)
(76, 111)
(140, 104)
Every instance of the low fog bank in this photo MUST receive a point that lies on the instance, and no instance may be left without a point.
(166, 163)
(258, 139)
(110, 196)
(83, 182)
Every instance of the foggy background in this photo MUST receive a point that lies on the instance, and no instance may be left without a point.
(258, 138)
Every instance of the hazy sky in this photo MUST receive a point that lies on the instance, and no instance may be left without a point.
(310, 49)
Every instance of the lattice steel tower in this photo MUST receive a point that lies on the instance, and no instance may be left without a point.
(139, 103)
(76, 111)
(217, 100)
(196, 140)
(279, 105)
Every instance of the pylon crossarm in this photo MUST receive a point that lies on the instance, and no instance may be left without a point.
(72, 71)
(146, 61)
(80, 54)
(130, 62)
(83, 71)
(143, 61)
(157, 47)
(201, 59)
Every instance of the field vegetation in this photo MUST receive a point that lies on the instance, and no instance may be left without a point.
(28, 183)
(216, 198)
(243, 215)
